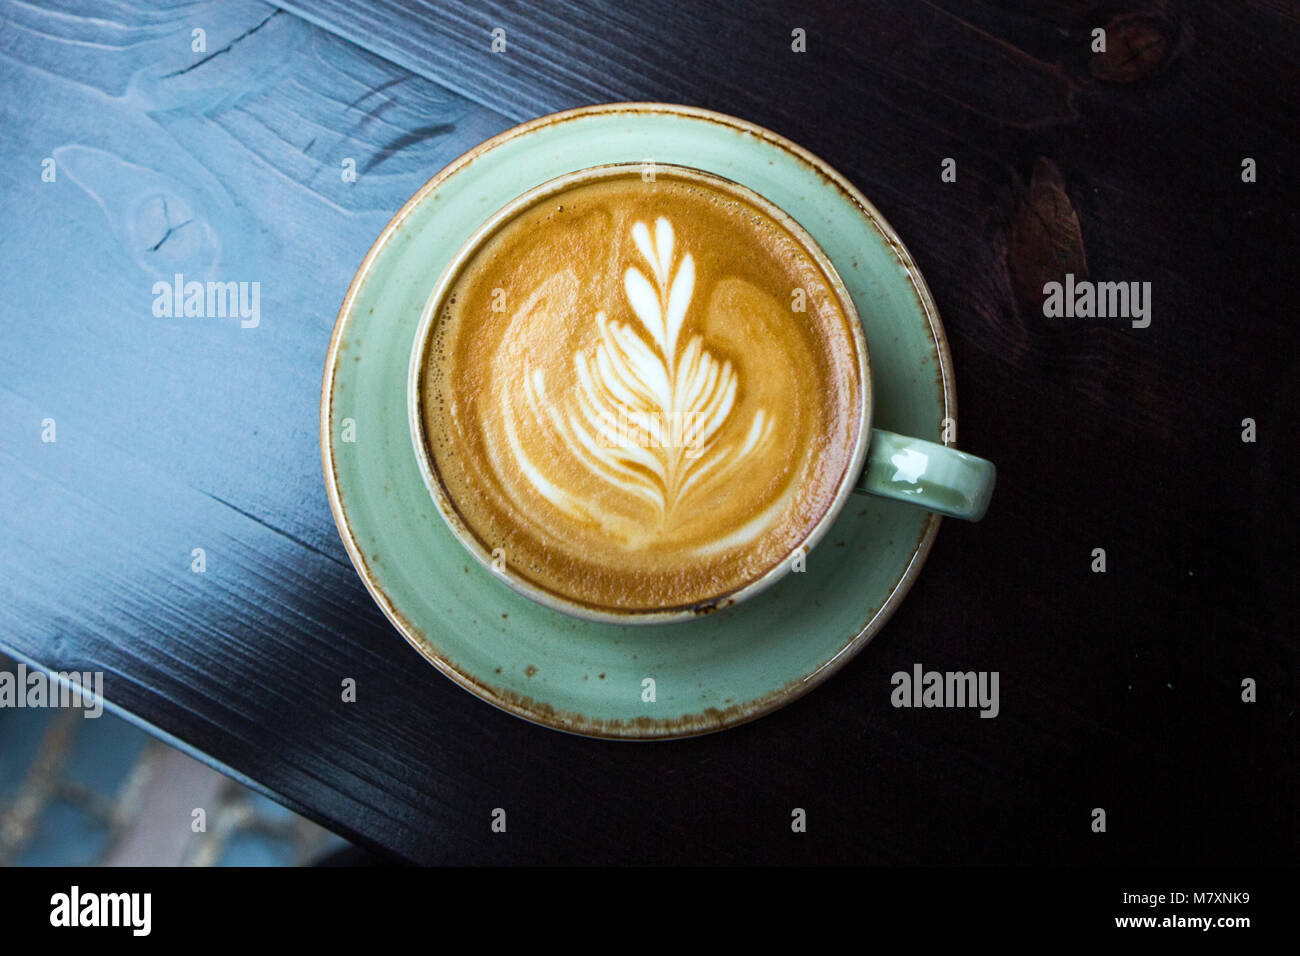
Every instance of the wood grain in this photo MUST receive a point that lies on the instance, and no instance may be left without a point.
(1119, 690)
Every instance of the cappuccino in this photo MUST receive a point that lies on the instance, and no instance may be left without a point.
(646, 394)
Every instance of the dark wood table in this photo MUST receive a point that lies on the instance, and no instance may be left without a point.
(1120, 690)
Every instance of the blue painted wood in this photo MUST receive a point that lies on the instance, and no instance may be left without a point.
(1119, 690)
(181, 433)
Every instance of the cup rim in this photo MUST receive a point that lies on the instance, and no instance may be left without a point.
(445, 503)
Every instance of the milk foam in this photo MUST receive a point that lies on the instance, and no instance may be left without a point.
(646, 414)
(647, 422)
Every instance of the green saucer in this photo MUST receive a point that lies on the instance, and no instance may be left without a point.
(603, 680)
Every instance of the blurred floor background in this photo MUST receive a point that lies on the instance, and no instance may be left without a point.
(78, 791)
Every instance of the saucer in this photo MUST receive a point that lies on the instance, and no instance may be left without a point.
(607, 680)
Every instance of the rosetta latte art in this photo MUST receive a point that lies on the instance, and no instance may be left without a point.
(646, 413)
(623, 400)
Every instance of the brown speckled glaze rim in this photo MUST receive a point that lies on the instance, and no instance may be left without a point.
(646, 728)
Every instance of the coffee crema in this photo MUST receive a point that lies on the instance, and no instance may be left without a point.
(645, 393)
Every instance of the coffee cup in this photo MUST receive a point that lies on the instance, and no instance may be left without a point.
(641, 393)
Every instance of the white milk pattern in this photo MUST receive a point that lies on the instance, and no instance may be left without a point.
(647, 411)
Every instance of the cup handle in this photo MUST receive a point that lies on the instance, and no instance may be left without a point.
(927, 474)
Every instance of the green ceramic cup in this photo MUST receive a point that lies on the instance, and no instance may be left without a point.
(926, 474)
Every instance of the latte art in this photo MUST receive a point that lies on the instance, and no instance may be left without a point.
(621, 395)
(641, 383)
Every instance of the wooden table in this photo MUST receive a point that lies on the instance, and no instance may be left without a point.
(1120, 690)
